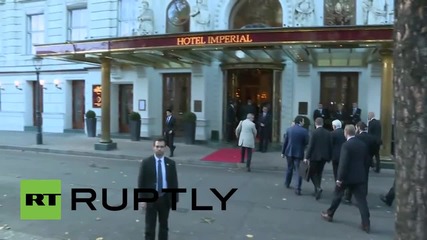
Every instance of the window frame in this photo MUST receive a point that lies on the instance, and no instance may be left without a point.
(29, 18)
(71, 28)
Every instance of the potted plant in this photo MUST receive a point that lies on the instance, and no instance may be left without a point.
(135, 126)
(189, 120)
(91, 123)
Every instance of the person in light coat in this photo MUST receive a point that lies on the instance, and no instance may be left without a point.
(246, 133)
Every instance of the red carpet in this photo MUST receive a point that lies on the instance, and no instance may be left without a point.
(230, 155)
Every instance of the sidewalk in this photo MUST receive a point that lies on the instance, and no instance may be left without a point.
(81, 145)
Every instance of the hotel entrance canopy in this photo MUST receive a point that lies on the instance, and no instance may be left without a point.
(322, 46)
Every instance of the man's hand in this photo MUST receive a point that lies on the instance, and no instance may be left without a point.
(143, 205)
(306, 161)
(339, 183)
(282, 155)
(170, 132)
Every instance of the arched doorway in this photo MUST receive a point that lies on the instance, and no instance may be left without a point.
(256, 14)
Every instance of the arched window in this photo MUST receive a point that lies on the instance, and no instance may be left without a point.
(178, 17)
(256, 14)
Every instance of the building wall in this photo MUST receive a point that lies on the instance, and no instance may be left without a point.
(300, 82)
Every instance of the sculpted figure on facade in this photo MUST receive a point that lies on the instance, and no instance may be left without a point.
(339, 12)
(145, 19)
(201, 18)
(377, 12)
(304, 13)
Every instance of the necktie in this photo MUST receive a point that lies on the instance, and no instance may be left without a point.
(159, 178)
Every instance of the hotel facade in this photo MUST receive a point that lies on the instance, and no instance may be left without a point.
(192, 55)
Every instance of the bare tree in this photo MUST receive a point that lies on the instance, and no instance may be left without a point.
(410, 88)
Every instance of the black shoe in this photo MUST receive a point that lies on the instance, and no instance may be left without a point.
(298, 192)
(326, 216)
(385, 200)
(366, 228)
(319, 194)
(249, 169)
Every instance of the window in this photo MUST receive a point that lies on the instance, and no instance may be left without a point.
(77, 24)
(35, 31)
(127, 17)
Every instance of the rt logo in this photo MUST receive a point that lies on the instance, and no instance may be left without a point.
(40, 199)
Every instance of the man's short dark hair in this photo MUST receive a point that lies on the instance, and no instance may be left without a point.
(318, 121)
(158, 140)
(298, 119)
(169, 110)
(362, 126)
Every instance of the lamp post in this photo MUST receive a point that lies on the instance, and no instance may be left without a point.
(37, 61)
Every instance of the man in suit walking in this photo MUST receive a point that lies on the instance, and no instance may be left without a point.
(246, 133)
(374, 128)
(338, 139)
(354, 158)
(371, 145)
(158, 172)
(295, 141)
(170, 131)
(319, 151)
(265, 128)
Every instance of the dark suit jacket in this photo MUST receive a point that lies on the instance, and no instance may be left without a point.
(170, 125)
(354, 162)
(355, 118)
(231, 115)
(342, 116)
(370, 141)
(148, 175)
(338, 139)
(324, 114)
(374, 128)
(296, 139)
(267, 121)
(320, 146)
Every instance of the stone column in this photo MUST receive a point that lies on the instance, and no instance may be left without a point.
(105, 143)
(386, 100)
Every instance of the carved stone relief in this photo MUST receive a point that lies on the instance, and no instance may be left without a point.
(145, 19)
(377, 12)
(304, 13)
(201, 18)
(340, 12)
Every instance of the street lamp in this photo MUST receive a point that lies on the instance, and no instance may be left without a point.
(37, 61)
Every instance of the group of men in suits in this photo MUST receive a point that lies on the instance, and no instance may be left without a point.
(263, 121)
(349, 116)
(351, 151)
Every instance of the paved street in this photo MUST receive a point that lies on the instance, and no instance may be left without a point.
(261, 208)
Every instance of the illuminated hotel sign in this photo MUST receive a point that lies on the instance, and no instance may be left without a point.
(221, 39)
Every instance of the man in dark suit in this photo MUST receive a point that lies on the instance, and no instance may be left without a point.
(354, 159)
(371, 145)
(341, 114)
(158, 172)
(319, 151)
(246, 109)
(231, 121)
(169, 131)
(356, 112)
(338, 139)
(265, 128)
(374, 128)
(320, 112)
(295, 141)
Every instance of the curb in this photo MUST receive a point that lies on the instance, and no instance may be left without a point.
(385, 164)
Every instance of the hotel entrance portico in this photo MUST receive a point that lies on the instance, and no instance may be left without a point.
(211, 56)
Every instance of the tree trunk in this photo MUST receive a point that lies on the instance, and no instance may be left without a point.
(410, 87)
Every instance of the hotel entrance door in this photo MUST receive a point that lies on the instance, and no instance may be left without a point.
(261, 86)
